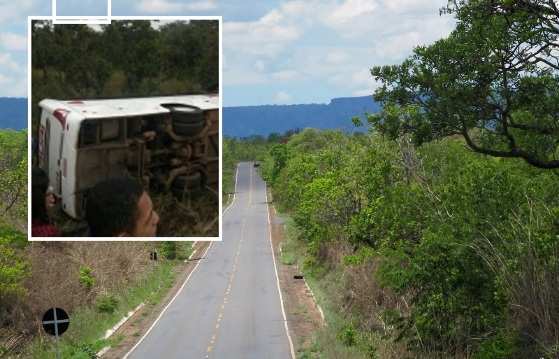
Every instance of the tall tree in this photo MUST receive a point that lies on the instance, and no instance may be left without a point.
(494, 81)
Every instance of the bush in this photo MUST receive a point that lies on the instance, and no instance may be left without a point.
(169, 250)
(501, 346)
(87, 280)
(107, 304)
(469, 243)
(13, 267)
(348, 335)
(84, 351)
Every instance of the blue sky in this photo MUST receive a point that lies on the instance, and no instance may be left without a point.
(275, 52)
(81, 7)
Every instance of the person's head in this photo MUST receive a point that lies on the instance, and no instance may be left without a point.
(120, 207)
(39, 185)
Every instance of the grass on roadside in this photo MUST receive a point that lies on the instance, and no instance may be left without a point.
(340, 338)
(89, 324)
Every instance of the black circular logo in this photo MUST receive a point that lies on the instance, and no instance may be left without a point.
(55, 321)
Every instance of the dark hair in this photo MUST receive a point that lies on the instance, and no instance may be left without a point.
(39, 185)
(112, 206)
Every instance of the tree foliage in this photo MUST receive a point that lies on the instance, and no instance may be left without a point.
(494, 81)
(448, 229)
(13, 218)
(13, 166)
(124, 58)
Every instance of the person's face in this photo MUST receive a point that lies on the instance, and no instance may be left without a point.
(146, 224)
(50, 200)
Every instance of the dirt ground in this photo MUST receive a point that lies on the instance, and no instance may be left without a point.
(303, 315)
(138, 324)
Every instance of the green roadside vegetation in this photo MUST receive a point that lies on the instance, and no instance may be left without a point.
(431, 251)
(235, 150)
(96, 283)
(89, 323)
(340, 338)
(13, 181)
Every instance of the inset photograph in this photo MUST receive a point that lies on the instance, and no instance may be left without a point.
(124, 129)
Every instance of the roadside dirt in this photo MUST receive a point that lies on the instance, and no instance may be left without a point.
(303, 315)
(139, 323)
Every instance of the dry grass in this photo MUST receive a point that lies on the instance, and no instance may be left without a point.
(529, 271)
(190, 216)
(55, 276)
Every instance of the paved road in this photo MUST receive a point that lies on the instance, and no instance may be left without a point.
(230, 307)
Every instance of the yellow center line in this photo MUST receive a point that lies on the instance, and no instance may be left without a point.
(250, 169)
(227, 292)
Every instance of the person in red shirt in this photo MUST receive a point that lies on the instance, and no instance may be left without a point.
(41, 225)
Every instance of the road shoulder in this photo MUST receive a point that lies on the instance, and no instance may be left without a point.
(303, 314)
(142, 320)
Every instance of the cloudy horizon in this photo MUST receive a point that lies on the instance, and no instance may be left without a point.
(274, 52)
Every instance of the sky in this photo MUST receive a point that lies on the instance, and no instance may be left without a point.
(81, 7)
(274, 52)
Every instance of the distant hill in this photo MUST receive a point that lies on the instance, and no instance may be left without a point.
(13, 113)
(263, 120)
(246, 120)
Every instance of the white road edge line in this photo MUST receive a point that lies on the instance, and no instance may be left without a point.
(234, 190)
(191, 254)
(187, 278)
(111, 331)
(168, 304)
(316, 302)
(277, 279)
(280, 248)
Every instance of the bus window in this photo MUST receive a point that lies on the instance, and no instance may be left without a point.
(110, 130)
(88, 133)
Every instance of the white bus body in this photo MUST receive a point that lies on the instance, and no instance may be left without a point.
(155, 139)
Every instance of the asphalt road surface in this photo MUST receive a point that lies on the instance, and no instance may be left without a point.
(230, 306)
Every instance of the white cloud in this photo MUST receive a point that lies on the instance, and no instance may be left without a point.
(282, 97)
(201, 5)
(15, 10)
(285, 75)
(259, 65)
(166, 6)
(12, 77)
(266, 37)
(349, 10)
(336, 57)
(327, 44)
(7, 62)
(243, 76)
(362, 92)
(269, 35)
(422, 6)
(13, 42)
(158, 6)
(399, 45)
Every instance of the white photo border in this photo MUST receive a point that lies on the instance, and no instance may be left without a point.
(30, 19)
(81, 19)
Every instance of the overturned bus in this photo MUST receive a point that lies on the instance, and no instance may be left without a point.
(167, 143)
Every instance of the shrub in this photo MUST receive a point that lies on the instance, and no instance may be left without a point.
(87, 280)
(348, 335)
(13, 267)
(169, 250)
(107, 304)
